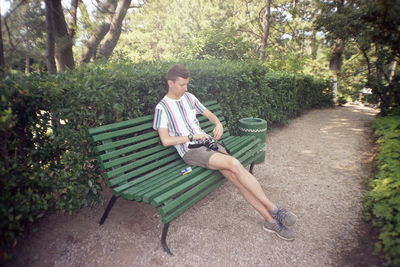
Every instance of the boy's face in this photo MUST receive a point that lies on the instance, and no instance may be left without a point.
(179, 87)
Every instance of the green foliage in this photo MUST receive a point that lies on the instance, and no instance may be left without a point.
(27, 34)
(371, 42)
(25, 151)
(342, 100)
(383, 200)
(44, 120)
(218, 43)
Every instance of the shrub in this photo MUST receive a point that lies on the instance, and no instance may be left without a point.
(48, 161)
(383, 200)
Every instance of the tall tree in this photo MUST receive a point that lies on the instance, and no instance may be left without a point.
(114, 32)
(74, 18)
(111, 13)
(335, 64)
(266, 25)
(2, 63)
(104, 14)
(50, 48)
(63, 41)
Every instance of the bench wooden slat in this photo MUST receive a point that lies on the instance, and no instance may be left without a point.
(137, 192)
(148, 196)
(119, 125)
(155, 159)
(141, 181)
(133, 156)
(123, 178)
(168, 182)
(127, 149)
(140, 162)
(126, 141)
(207, 125)
(210, 103)
(214, 107)
(126, 131)
(218, 113)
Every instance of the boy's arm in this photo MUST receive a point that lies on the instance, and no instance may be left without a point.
(219, 129)
(168, 140)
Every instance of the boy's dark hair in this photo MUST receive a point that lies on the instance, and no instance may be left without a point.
(176, 71)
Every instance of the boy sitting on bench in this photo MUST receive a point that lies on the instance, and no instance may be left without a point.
(176, 122)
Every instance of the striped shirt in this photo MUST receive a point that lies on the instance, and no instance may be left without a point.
(179, 117)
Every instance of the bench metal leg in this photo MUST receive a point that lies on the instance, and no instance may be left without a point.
(107, 211)
(251, 168)
(164, 239)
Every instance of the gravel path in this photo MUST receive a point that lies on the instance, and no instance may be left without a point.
(317, 166)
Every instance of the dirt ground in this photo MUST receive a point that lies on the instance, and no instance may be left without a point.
(317, 166)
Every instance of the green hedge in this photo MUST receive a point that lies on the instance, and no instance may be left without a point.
(48, 161)
(383, 200)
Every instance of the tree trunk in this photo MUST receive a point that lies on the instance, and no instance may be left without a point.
(336, 60)
(91, 46)
(2, 62)
(113, 34)
(105, 9)
(27, 64)
(64, 55)
(50, 48)
(393, 68)
(73, 22)
(335, 64)
(266, 27)
(314, 45)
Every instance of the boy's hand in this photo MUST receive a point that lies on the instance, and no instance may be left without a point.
(201, 137)
(218, 131)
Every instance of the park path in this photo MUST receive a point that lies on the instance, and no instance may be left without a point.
(317, 166)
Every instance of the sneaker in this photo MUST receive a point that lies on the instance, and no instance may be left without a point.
(284, 216)
(279, 229)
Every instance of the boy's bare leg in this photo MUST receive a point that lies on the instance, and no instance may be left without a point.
(254, 202)
(242, 179)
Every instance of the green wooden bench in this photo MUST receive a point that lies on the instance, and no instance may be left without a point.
(137, 167)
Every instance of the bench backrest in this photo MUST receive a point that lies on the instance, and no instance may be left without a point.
(129, 149)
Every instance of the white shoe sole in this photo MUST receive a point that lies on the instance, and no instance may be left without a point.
(278, 235)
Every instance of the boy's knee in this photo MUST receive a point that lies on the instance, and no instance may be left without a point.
(234, 165)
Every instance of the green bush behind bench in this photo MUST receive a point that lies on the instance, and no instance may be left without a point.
(43, 122)
(383, 200)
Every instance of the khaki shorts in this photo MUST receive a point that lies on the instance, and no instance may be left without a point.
(200, 156)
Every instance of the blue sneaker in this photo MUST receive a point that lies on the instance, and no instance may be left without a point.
(284, 216)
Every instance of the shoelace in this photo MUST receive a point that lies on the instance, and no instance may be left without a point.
(278, 227)
(281, 214)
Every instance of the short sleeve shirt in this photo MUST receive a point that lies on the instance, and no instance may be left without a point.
(179, 117)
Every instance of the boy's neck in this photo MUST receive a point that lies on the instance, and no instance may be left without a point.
(173, 96)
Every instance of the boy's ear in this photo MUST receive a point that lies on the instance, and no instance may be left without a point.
(170, 83)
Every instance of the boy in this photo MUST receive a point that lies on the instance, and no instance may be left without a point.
(176, 122)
